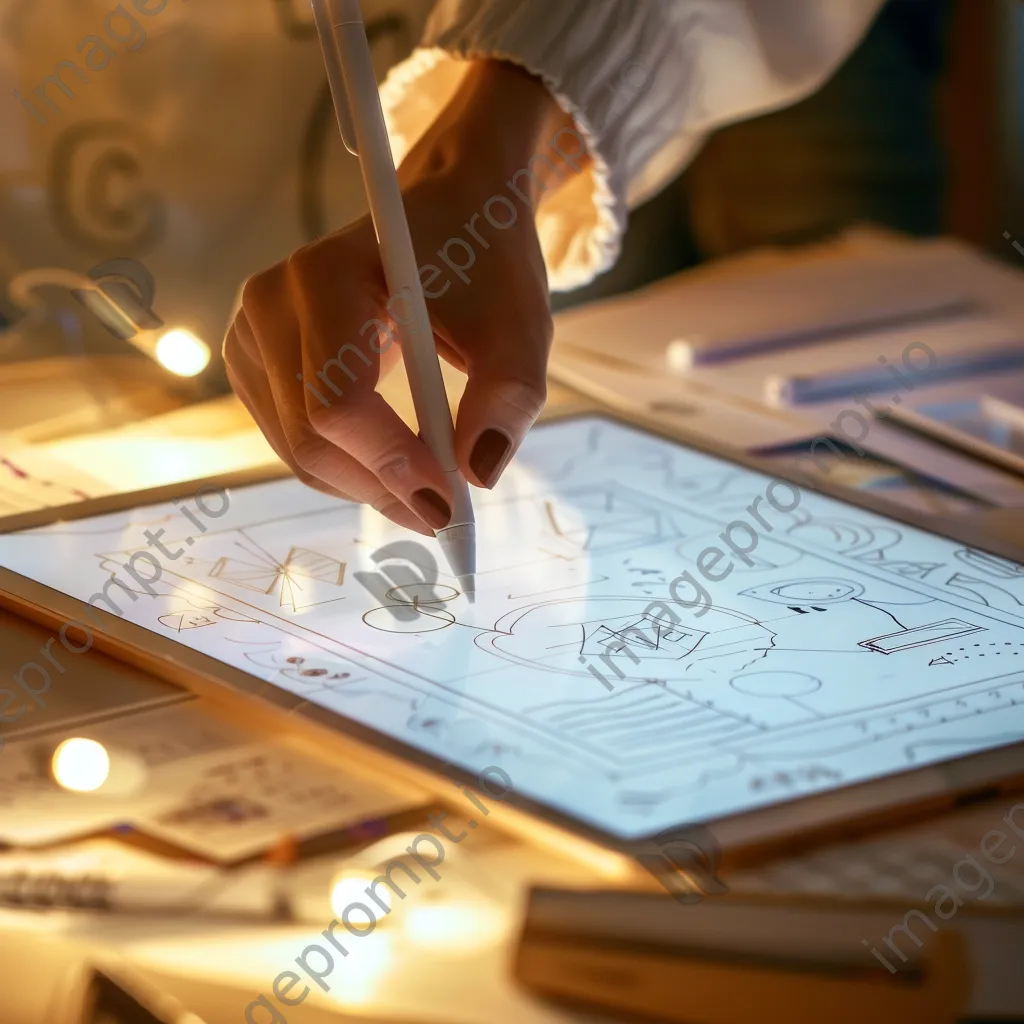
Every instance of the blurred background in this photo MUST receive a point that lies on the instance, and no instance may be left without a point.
(149, 163)
(921, 131)
(204, 148)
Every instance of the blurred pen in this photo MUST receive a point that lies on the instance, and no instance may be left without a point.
(800, 389)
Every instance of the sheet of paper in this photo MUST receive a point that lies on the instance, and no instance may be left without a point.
(726, 305)
(137, 460)
(35, 810)
(32, 478)
(203, 785)
(593, 671)
(600, 351)
(728, 407)
(706, 411)
(234, 806)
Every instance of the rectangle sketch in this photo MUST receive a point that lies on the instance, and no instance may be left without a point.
(933, 633)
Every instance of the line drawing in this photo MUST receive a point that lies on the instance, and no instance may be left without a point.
(851, 646)
(933, 633)
(990, 565)
(294, 577)
(989, 594)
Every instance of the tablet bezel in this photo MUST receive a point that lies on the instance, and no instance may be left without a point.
(738, 838)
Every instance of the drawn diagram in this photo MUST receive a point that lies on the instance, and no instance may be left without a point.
(776, 684)
(985, 592)
(177, 621)
(933, 633)
(990, 565)
(302, 579)
(804, 594)
(557, 636)
(850, 646)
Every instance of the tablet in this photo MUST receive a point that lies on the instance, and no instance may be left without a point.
(661, 636)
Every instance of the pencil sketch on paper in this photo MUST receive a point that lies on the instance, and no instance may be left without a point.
(849, 646)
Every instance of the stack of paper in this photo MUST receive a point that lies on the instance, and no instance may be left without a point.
(726, 351)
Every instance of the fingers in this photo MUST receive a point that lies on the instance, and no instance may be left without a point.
(248, 380)
(300, 447)
(504, 395)
(320, 413)
(318, 459)
(343, 432)
(372, 433)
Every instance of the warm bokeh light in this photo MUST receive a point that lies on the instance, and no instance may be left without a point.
(181, 352)
(455, 928)
(350, 887)
(80, 765)
(377, 975)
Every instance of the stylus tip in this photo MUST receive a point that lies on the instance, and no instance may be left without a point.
(468, 584)
(459, 546)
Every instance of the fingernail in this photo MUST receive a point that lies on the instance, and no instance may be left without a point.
(490, 453)
(431, 508)
(400, 513)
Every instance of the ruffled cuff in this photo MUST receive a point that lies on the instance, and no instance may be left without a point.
(584, 55)
(644, 81)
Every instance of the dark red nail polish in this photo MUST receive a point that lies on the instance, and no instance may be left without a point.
(490, 453)
(431, 508)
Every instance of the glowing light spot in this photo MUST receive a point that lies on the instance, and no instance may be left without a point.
(181, 352)
(80, 765)
(350, 887)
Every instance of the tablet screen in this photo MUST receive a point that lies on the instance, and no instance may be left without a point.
(659, 636)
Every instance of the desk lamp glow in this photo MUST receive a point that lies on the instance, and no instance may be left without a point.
(80, 765)
(115, 299)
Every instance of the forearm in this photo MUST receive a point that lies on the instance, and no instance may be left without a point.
(500, 117)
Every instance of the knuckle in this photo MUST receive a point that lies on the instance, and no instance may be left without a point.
(307, 260)
(309, 453)
(391, 465)
(311, 481)
(525, 396)
(321, 418)
(237, 358)
(262, 291)
(253, 289)
(300, 261)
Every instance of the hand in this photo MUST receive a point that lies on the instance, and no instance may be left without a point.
(314, 333)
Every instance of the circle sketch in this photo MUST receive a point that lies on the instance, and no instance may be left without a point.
(776, 684)
(807, 591)
(425, 619)
(422, 594)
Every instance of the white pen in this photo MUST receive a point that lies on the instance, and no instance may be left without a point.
(346, 51)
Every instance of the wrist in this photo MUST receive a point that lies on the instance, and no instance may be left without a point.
(510, 108)
(500, 118)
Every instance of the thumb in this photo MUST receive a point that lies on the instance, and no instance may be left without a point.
(504, 395)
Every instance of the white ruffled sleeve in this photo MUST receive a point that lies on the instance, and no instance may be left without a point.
(645, 81)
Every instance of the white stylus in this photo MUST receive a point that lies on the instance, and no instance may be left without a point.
(353, 84)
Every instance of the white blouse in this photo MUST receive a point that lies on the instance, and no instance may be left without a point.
(645, 81)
